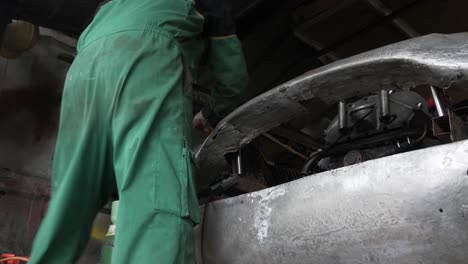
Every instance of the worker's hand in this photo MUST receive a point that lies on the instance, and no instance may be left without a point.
(200, 123)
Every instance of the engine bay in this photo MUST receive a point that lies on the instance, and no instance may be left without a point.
(360, 129)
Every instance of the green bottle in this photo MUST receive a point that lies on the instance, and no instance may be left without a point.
(108, 244)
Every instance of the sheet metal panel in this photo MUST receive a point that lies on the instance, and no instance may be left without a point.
(408, 208)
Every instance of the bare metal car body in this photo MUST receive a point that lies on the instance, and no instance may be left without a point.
(406, 208)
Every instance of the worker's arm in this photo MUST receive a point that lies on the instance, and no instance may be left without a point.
(225, 58)
(228, 67)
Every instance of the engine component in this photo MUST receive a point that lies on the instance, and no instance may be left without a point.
(372, 127)
(335, 161)
(384, 106)
(342, 118)
(447, 126)
(281, 174)
(377, 114)
(353, 157)
(437, 101)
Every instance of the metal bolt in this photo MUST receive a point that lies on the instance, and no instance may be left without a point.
(342, 118)
(438, 103)
(384, 103)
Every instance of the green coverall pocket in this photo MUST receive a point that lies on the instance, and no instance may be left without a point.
(172, 181)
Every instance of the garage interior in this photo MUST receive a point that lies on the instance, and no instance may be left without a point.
(281, 40)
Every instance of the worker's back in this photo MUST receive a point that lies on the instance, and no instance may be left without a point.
(177, 18)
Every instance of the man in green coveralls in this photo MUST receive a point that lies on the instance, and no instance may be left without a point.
(126, 117)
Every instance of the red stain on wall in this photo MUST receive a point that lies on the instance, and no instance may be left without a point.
(43, 102)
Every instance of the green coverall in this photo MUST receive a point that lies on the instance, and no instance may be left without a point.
(126, 118)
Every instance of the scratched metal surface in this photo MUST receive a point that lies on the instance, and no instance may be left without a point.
(408, 208)
(439, 60)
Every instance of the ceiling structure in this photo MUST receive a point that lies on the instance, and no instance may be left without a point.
(283, 39)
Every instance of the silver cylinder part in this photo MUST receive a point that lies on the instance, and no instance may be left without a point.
(239, 164)
(437, 102)
(342, 119)
(384, 103)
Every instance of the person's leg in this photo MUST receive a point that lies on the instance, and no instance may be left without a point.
(82, 178)
(150, 154)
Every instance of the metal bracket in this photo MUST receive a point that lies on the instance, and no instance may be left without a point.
(449, 128)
